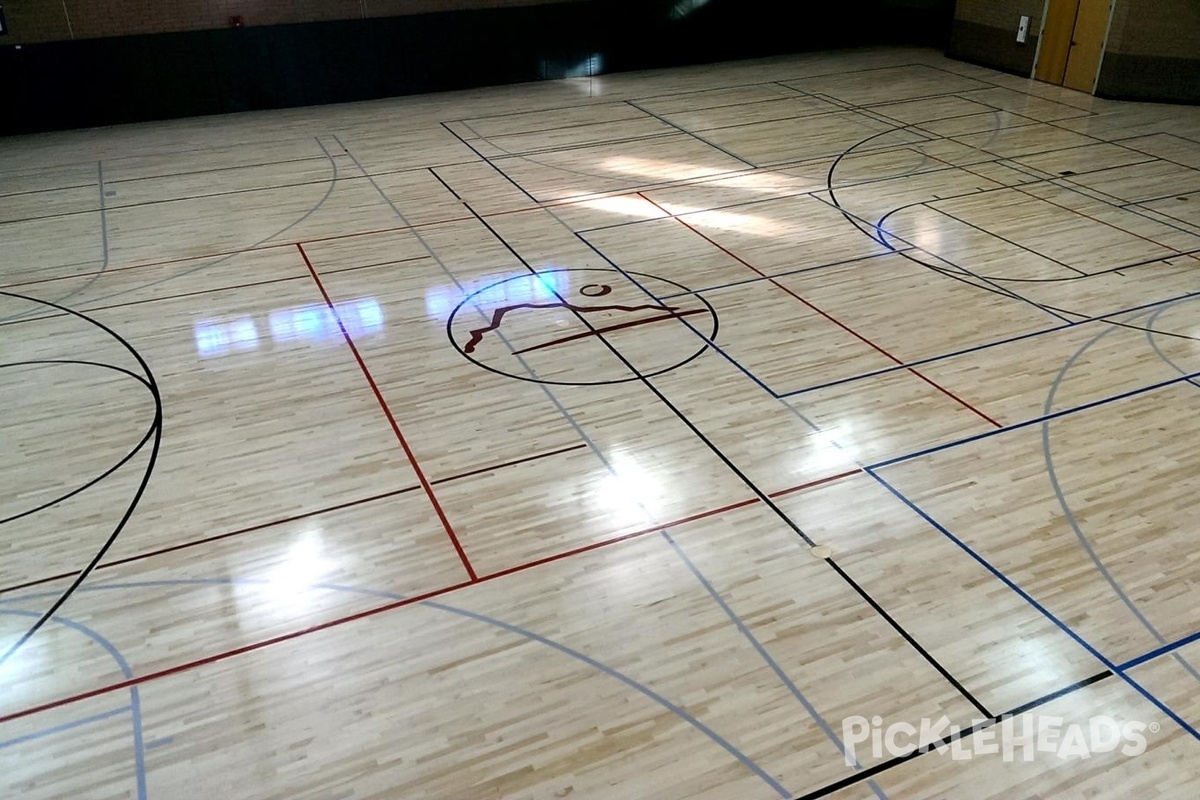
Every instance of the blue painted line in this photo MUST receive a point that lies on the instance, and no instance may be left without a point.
(1034, 421)
(687, 322)
(163, 742)
(1162, 651)
(987, 346)
(66, 726)
(1150, 336)
(645, 690)
(771, 662)
(103, 214)
(1069, 514)
(135, 705)
(625, 679)
(1114, 668)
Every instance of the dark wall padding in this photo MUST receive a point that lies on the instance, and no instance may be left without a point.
(991, 47)
(126, 79)
(1131, 77)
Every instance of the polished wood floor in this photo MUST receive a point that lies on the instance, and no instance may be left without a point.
(623, 437)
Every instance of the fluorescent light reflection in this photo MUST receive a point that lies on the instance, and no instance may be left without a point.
(630, 494)
(289, 584)
(314, 322)
(830, 450)
(496, 292)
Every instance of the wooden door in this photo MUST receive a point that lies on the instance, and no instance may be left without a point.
(1056, 41)
(1072, 43)
(1087, 44)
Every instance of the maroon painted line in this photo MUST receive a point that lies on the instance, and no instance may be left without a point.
(824, 314)
(437, 507)
(217, 537)
(227, 654)
(598, 331)
(617, 539)
(284, 520)
(1090, 218)
(812, 484)
(499, 314)
(339, 621)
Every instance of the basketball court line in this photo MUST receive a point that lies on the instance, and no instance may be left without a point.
(781, 167)
(815, 428)
(783, 677)
(900, 366)
(765, 277)
(571, 148)
(887, 244)
(370, 612)
(1160, 198)
(1053, 181)
(987, 345)
(763, 497)
(522, 632)
(1060, 495)
(553, 109)
(155, 439)
(1116, 669)
(830, 318)
(317, 512)
(487, 161)
(958, 272)
(66, 726)
(333, 180)
(135, 705)
(266, 282)
(694, 135)
(896, 761)
(888, 462)
(425, 485)
(1043, 178)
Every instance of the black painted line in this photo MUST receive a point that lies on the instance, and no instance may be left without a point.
(695, 136)
(488, 161)
(763, 496)
(930, 205)
(442, 181)
(569, 148)
(155, 434)
(466, 123)
(945, 741)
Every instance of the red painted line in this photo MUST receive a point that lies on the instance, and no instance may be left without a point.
(616, 539)
(462, 554)
(823, 313)
(282, 521)
(200, 662)
(610, 328)
(499, 314)
(812, 484)
(370, 612)
(1089, 217)
(214, 538)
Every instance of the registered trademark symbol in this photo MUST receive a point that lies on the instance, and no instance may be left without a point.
(1154, 727)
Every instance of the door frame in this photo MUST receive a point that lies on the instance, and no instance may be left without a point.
(1037, 53)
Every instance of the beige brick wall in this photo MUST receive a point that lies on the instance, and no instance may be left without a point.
(32, 21)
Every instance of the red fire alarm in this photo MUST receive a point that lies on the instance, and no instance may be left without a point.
(237, 22)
